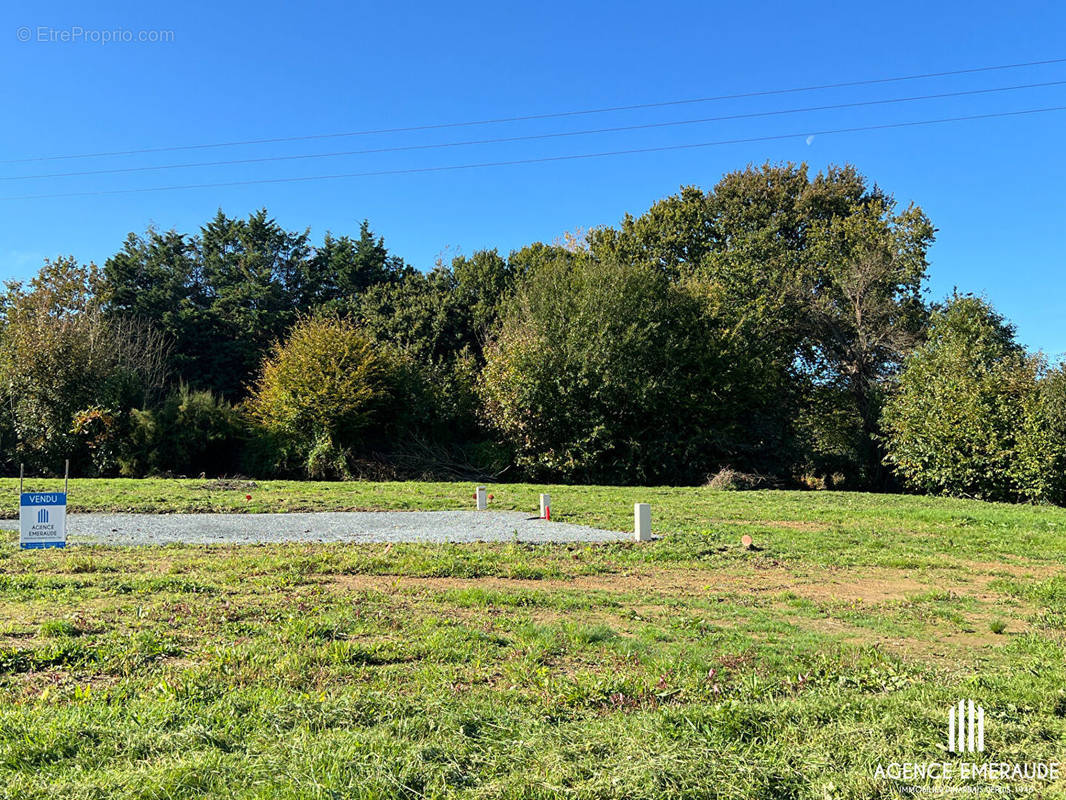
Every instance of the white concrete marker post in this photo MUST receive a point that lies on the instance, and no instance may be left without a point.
(482, 499)
(545, 505)
(642, 522)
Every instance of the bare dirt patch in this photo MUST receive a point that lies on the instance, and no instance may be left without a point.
(869, 590)
(787, 524)
(870, 585)
(936, 645)
(990, 570)
(229, 485)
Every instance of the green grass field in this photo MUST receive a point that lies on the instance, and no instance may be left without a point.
(684, 667)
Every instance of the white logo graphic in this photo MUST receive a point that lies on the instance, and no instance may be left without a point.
(965, 775)
(966, 728)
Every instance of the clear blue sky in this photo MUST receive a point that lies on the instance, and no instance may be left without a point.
(237, 70)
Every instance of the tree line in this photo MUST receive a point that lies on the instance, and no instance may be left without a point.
(774, 330)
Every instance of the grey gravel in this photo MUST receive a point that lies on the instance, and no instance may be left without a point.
(327, 526)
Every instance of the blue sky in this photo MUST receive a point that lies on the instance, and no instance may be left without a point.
(237, 71)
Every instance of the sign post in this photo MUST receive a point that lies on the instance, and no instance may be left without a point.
(43, 516)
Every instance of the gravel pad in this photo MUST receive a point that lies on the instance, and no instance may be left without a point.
(328, 526)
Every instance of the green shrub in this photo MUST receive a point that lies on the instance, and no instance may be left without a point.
(322, 389)
(600, 373)
(326, 459)
(192, 432)
(1053, 398)
(68, 375)
(98, 431)
(265, 452)
(968, 417)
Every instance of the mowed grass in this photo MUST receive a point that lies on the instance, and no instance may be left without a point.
(684, 667)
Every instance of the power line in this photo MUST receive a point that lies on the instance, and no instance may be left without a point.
(541, 160)
(552, 115)
(530, 137)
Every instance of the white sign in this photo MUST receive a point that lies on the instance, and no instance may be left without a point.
(43, 519)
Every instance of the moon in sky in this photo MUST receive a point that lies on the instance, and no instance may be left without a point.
(810, 139)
